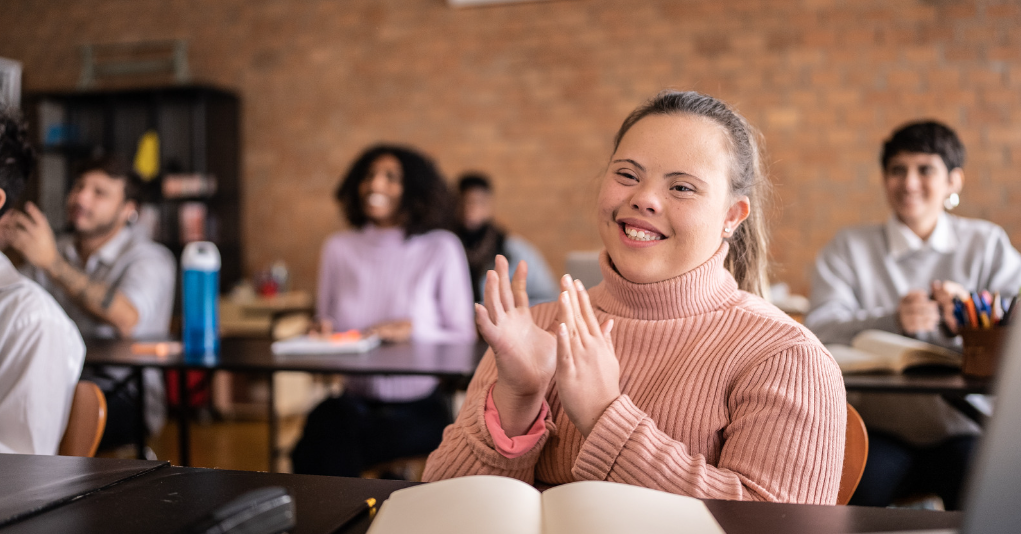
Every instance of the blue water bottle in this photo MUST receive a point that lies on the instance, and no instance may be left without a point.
(200, 268)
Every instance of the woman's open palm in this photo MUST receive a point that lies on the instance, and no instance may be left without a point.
(525, 354)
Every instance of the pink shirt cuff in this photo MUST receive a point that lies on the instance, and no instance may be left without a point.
(516, 446)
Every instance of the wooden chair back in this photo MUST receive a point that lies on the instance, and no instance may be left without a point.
(86, 422)
(856, 452)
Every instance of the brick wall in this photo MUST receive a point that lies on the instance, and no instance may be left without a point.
(533, 93)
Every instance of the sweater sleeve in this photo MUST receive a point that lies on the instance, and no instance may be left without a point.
(468, 447)
(784, 441)
(454, 293)
(836, 313)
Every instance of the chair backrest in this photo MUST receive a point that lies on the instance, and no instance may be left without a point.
(86, 422)
(856, 451)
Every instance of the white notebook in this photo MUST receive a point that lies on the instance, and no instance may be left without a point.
(308, 345)
(500, 505)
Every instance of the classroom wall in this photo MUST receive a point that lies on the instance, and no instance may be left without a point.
(534, 92)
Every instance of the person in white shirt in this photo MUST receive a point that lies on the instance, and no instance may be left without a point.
(109, 278)
(901, 277)
(41, 351)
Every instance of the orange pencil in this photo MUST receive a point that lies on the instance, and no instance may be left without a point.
(969, 306)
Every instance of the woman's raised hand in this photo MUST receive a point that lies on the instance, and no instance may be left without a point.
(588, 373)
(525, 354)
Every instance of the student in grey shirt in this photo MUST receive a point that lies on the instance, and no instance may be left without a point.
(901, 276)
(111, 280)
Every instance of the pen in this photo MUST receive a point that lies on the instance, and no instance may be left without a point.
(997, 308)
(959, 313)
(969, 307)
(368, 506)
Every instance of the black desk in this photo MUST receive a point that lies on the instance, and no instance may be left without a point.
(32, 484)
(167, 499)
(953, 387)
(451, 362)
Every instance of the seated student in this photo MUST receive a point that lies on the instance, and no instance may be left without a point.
(400, 274)
(703, 388)
(483, 240)
(901, 276)
(41, 352)
(111, 280)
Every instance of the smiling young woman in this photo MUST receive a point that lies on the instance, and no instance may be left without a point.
(673, 373)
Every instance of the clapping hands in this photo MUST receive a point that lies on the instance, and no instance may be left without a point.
(527, 357)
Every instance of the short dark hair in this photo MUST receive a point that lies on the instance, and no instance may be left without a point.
(426, 203)
(17, 158)
(115, 168)
(474, 180)
(925, 137)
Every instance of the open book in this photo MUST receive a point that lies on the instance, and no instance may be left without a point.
(499, 505)
(341, 343)
(876, 350)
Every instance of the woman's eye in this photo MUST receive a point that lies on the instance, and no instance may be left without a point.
(627, 175)
(682, 188)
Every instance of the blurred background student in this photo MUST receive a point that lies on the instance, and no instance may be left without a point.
(483, 239)
(112, 281)
(400, 273)
(901, 277)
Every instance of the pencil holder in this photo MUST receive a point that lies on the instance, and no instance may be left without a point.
(982, 349)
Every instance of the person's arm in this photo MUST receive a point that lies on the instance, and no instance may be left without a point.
(836, 314)
(39, 367)
(784, 442)
(327, 290)
(33, 238)
(468, 447)
(454, 294)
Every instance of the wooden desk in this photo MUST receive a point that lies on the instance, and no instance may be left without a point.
(29, 485)
(168, 499)
(953, 387)
(453, 362)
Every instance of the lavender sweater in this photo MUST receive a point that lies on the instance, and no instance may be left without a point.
(372, 275)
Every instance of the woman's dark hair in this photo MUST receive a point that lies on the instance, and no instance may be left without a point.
(925, 137)
(474, 180)
(17, 158)
(426, 203)
(748, 258)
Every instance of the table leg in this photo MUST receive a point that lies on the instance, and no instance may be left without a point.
(962, 405)
(183, 432)
(140, 414)
(273, 451)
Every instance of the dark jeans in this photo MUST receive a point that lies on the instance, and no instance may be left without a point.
(345, 435)
(896, 470)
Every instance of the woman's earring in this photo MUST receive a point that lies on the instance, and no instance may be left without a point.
(133, 217)
(952, 201)
(726, 230)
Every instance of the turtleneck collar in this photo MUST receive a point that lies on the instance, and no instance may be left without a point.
(705, 288)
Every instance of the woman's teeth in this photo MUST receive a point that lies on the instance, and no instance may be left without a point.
(377, 200)
(641, 235)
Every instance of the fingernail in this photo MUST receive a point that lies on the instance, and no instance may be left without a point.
(579, 285)
(563, 329)
(567, 278)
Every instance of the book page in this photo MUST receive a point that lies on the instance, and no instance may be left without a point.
(852, 360)
(596, 507)
(903, 351)
(310, 345)
(466, 505)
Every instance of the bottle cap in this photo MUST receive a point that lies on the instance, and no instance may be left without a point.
(200, 256)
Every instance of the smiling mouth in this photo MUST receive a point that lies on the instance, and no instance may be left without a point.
(640, 234)
(377, 200)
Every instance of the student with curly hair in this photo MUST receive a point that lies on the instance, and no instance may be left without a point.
(400, 273)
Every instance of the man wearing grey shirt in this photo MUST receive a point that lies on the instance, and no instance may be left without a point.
(901, 277)
(111, 280)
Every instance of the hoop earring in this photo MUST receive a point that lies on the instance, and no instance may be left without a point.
(952, 201)
(133, 217)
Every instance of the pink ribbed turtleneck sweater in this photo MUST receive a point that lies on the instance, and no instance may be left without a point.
(723, 397)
